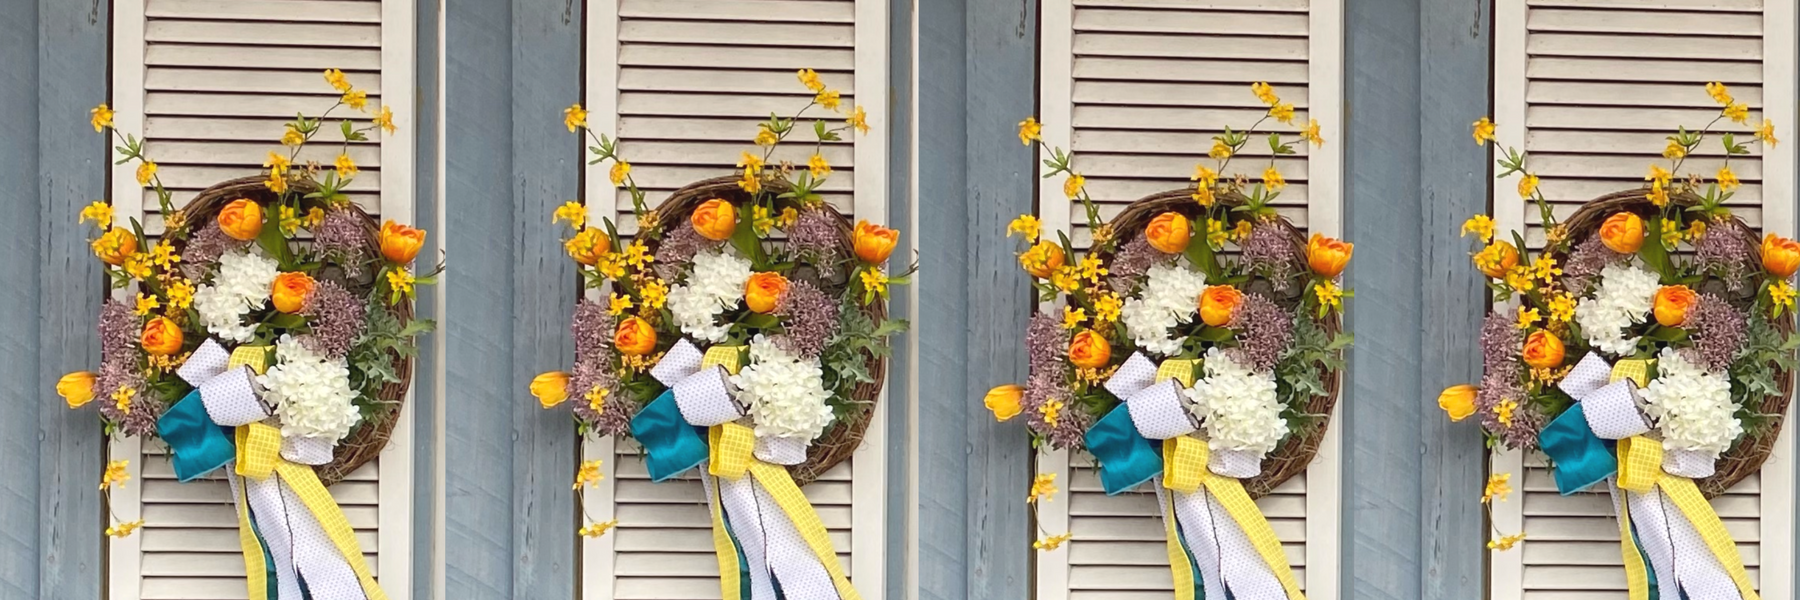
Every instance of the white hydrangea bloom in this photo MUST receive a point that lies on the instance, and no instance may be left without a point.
(715, 285)
(240, 286)
(786, 394)
(1170, 297)
(1691, 406)
(1624, 298)
(1238, 406)
(311, 393)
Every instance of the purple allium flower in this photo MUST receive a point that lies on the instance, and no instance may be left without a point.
(1264, 331)
(342, 235)
(592, 328)
(1581, 270)
(678, 247)
(141, 420)
(205, 247)
(1503, 381)
(594, 373)
(337, 319)
(1719, 331)
(815, 235)
(1132, 261)
(1047, 344)
(1724, 250)
(810, 319)
(119, 329)
(1270, 250)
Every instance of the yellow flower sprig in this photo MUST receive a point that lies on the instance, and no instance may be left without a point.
(587, 475)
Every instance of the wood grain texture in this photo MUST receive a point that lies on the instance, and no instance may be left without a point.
(511, 67)
(427, 389)
(19, 541)
(1453, 184)
(902, 390)
(71, 172)
(975, 72)
(1381, 215)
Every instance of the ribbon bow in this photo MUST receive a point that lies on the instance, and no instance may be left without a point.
(295, 539)
(768, 539)
(1688, 549)
(1240, 555)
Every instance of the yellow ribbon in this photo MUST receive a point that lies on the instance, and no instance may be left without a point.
(1640, 471)
(1179, 565)
(1185, 462)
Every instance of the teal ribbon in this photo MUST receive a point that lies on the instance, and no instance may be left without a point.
(1194, 564)
(1126, 457)
(672, 445)
(1578, 458)
(199, 445)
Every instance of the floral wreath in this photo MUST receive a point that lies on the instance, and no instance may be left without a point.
(746, 311)
(270, 308)
(1648, 346)
(1227, 359)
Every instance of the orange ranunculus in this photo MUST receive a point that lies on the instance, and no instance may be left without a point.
(550, 388)
(290, 291)
(762, 292)
(1003, 401)
(400, 243)
(161, 337)
(1089, 350)
(1218, 303)
(1543, 351)
(1672, 304)
(242, 219)
(115, 246)
(1458, 401)
(873, 243)
(715, 219)
(588, 246)
(634, 337)
(77, 389)
(1780, 256)
(1168, 232)
(1498, 258)
(1042, 260)
(1623, 232)
(1328, 256)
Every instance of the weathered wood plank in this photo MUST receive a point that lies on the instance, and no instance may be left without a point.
(20, 546)
(428, 464)
(72, 165)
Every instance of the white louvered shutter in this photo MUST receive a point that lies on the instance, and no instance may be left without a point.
(682, 85)
(1137, 89)
(1589, 89)
(209, 83)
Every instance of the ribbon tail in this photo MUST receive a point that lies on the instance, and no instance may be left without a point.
(733, 571)
(801, 521)
(1182, 565)
(258, 566)
(1702, 522)
(1640, 579)
(1251, 534)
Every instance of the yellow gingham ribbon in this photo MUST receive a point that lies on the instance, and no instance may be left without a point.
(1700, 514)
(1184, 370)
(1184, 459)
(730, 586)
(1179, 565)
(775, 479)
(1230, 493)
(730, 448)
(256, 566)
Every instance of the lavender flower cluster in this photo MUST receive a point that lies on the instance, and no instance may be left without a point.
(1719, 332)
(1504, 379)
(815, 235)
(1269, 249)
(592, 327)
(205, 247)
(1724, 249)
(341, 234)
(810, 319)
(337, 319)
(118, 328)
(1582, 268)
(678, 248)
(1046, 344)
(1133, 260)
(1264, 329)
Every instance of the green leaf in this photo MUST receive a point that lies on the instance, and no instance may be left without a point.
(1214, 334)
(1653, 254)
(1200, 254)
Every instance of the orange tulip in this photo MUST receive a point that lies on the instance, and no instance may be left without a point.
(400, 243)
(588, 246)
(77, 389)
(115, 246)
(1498, 258)
(715, 219)
(1168, 232)
(763, 291)
(1543, 351)
(550, 388)
(1218, 303)
(1042, 260)
(873, 243)
(1780, 256)
(634, 337)
(242, 219)
(1672, 304)
(1089, 350)
(161, 337)
(1623, 232)
(290, 291)
(1328, 256)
